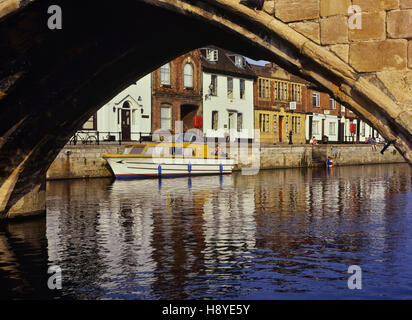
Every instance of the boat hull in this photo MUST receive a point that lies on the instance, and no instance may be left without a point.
(140, 168)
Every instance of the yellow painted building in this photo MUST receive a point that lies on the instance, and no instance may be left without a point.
(275, 126)
(279, 100)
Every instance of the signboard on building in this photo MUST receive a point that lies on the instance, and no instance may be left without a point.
(292, 105)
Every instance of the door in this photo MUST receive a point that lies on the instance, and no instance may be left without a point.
(187, 114)
(323, 128)
(280, 128)
(310, 128)
(341, 132)
(126, 121)
(232, 120)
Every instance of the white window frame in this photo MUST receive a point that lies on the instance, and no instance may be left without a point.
(212, 55)
(168, 118)
(188, 76)
(317, 96)
(317, 127)
(230, 88)
(217, 120)
(242, 89)
(240, 61)
(213, 92)
(332, 104)
(332, 125)
(165, 74)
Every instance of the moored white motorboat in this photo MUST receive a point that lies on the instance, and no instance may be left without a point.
(169, 159)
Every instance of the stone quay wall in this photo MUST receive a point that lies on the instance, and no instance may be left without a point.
(77, 162)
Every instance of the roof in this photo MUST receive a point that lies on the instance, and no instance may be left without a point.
(225, 63)
(271, 70)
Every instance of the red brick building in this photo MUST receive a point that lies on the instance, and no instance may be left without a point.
(177, 92)
(327, 117)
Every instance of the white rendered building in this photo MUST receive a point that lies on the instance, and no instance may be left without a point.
(227, 95)
(126, 117)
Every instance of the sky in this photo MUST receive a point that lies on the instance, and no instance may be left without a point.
(258, 62)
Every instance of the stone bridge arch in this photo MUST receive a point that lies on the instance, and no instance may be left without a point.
(51, 81)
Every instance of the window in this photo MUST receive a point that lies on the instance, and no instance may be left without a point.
(296, 124)
(239, 121)
(295, 92)
(315, 127)
(332, 128)
(137, 150)
(165, 74)
(230, 87)
(165, 118)
(213, 85)
(287, 124)
(275, 123)
(240, 61)
(179, 151)
(316, 100)
(176, 151)
(242, 88)
(188, 152)
(212, 55)
(282, 90)
(232, 120)
(264, 88)
(264, 122)
(188, 76)
(332, 103)
(215, 120)
(155, 150)
(363, 128)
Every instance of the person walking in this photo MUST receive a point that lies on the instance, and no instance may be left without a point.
(373, 143)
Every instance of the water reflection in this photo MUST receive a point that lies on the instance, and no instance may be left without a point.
(280, 234)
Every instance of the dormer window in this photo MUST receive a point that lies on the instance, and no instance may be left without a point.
(240, 61)
(212, 55)
(165, 75)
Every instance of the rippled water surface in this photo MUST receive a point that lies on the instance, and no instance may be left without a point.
(281, 234)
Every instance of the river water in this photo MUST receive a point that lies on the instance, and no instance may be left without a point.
(281, 234)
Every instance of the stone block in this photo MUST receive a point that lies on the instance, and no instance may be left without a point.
(269, 7)
(406, 4)
(334, 30)
(341, 50)
(378, 55)
(376, 5)
(373, 27)
(309, 29)
(399, 84)
(400, 24)
(334, 7)
(8, 6)
(295, 10)
(410, 54)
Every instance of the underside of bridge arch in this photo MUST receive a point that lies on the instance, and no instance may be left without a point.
(52, 81)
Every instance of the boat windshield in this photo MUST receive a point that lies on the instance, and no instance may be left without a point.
(134, 150)
(155, 150)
